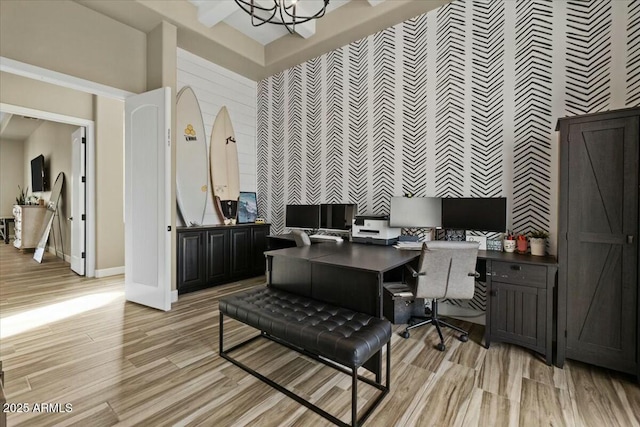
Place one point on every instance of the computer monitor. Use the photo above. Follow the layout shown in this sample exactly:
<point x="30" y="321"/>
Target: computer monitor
<point x="337" y="216"/>
<point x="303" y="216"/>
<point x="475" y="213"/>
<point x="416" y="212"/>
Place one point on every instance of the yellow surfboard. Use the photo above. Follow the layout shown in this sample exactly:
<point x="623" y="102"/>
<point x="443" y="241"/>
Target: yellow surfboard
<point x="192" y="177"/>
<point x="225" y="175"/>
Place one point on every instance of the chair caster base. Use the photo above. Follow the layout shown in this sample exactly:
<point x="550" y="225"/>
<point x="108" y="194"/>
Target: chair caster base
<point x="404" y="334"/>
<point x="464" y="337"/>
<point x="441" y="347"/>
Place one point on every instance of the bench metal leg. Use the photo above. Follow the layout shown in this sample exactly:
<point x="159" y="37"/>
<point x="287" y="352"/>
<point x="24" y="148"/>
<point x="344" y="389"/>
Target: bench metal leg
<point x="355" y="422"/>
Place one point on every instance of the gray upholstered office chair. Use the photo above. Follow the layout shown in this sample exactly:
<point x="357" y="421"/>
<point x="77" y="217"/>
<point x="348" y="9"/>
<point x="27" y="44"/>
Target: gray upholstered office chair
<point x="445" y="270"/>
<point x="301" y="238"/>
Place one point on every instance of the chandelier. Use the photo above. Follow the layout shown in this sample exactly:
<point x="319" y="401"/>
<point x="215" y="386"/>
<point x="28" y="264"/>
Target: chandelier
<point x="280" y="12"/>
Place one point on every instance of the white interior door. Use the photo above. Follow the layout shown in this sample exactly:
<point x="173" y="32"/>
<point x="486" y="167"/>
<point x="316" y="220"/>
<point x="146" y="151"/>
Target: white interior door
<point x="147" y="199"/>
<point x="78" y="200"/>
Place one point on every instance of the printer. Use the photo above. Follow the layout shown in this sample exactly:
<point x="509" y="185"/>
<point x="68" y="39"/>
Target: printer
<point x="374" y="229"/>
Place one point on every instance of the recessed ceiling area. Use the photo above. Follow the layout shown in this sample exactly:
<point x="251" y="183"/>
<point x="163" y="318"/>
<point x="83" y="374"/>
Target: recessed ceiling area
<point x="221" y="32"/>
<point x="211" y="13"/>
<point x="17" y="128"/>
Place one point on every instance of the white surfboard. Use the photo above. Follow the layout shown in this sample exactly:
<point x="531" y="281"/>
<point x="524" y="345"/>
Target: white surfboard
<point x="192" y="170"/>
<point x="225" y="175"/>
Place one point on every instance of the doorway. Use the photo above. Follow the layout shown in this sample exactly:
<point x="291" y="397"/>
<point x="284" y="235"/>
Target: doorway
<point x="89" y="183"/>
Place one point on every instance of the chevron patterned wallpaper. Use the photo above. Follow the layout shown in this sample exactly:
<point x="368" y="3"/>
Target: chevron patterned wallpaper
<point x="461" y="101"/>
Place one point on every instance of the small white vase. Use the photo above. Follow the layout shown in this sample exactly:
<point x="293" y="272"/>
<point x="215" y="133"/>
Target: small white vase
<point x="538" y="246"/>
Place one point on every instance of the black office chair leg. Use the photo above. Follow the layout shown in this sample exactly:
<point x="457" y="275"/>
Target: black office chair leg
<point x="435" y="320"/>
<point x="440" y="346"/>
<point x="417" y="325"/>
<point x="449" y="325"/>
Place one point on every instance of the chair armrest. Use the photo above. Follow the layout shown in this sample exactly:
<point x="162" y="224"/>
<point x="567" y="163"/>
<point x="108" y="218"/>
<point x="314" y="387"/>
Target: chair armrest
<point x="413" y="272"/>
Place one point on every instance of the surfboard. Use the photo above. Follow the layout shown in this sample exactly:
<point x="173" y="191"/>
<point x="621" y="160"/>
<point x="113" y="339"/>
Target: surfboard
<point x="192" y="169"/>
<point x="225" y="175"/>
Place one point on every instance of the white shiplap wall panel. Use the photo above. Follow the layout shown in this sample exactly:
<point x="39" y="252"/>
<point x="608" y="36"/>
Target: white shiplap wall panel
<point x="216" y="87"/>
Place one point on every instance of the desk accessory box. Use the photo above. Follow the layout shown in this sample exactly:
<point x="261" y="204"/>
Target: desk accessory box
<point x="399" y="304"/>
<point x="480" y="239"/>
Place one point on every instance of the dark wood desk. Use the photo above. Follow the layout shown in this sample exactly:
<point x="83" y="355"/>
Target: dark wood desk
<point x="520" y="288"/>
<point x="345" y="274"/>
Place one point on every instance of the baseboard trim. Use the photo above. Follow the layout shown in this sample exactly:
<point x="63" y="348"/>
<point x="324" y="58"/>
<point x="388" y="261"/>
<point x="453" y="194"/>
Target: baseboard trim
<point x="104" y="272"/>
<point x="174" y="296"/>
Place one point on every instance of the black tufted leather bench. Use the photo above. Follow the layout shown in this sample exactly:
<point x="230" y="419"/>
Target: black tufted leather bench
<point x="319" y="330"/>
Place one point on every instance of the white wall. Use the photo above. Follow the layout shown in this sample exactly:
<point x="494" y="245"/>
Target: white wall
<point x="216" y="87"/>
<point x="11" y="173"/>
<point x="53" y="140"/>
<point x="67" y="37"/>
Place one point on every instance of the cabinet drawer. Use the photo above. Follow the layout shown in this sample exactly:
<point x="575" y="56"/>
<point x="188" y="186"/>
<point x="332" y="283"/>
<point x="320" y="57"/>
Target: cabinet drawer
<point x="520" y="274"/>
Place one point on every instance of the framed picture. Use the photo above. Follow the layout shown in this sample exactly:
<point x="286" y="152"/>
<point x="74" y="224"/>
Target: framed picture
<point x="247" y="207"/>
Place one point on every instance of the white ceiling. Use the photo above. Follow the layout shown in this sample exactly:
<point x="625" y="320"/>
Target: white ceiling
<point x="17" y="128"/>
<point x="210" y="13"/>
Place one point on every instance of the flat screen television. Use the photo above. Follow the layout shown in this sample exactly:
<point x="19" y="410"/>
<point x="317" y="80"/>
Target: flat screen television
<point x="38" y="175"/>
<point x="475" y="213"/>
<point x="302" y="216"/>
<point x="337" y="216"/>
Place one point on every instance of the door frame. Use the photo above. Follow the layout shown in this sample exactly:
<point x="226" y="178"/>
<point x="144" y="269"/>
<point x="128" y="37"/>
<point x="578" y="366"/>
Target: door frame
<point x="90" y="173"/>
<point x="11" y="66"/>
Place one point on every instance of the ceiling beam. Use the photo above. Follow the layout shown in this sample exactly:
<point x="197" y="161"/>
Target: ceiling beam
<point x="305" y="30"/>
<point x="210" y="13"/>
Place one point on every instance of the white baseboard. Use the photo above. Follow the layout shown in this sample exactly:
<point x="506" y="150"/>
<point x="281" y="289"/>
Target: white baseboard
<point x="52" y="250"/>
<point x="104" y="272"/>
<point x="174" y="296"/>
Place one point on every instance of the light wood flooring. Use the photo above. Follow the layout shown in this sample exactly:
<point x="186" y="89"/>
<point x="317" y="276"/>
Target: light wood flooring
<point x="68" y="339"/>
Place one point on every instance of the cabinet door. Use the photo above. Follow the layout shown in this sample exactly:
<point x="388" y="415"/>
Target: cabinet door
<point x="601" y="250"/>
<point x="190" y="260"/>
<point x="241" y="257"/>
<point x="518" y="314"/>
<point x="259" y="245"/>
<point x="217" y="256"/>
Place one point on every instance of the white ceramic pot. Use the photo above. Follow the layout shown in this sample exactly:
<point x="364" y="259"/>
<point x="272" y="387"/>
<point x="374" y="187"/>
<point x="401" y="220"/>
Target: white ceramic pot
<point x="538" y="246"/>
<point x="509" y="245"/>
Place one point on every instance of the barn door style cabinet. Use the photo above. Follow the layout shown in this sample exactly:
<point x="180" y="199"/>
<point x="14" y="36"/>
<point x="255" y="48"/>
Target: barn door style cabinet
<point x="598" y="305"/>
<point x="209" y="256"/>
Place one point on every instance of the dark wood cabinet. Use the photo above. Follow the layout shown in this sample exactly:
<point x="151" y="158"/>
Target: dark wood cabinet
<point x="191" y="259"/>
<point x="520" y="301"/>
<point x="260" y="245"/>
<point x="209" y="256"/>
<point x="217" y="256"/>
<point x="241" y="255"/>
<point x="598" y="303"/>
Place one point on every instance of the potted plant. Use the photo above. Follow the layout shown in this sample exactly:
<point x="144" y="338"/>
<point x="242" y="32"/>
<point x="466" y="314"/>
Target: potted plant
<point x="538" y="239"/>
<point x="22" y="196"/>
